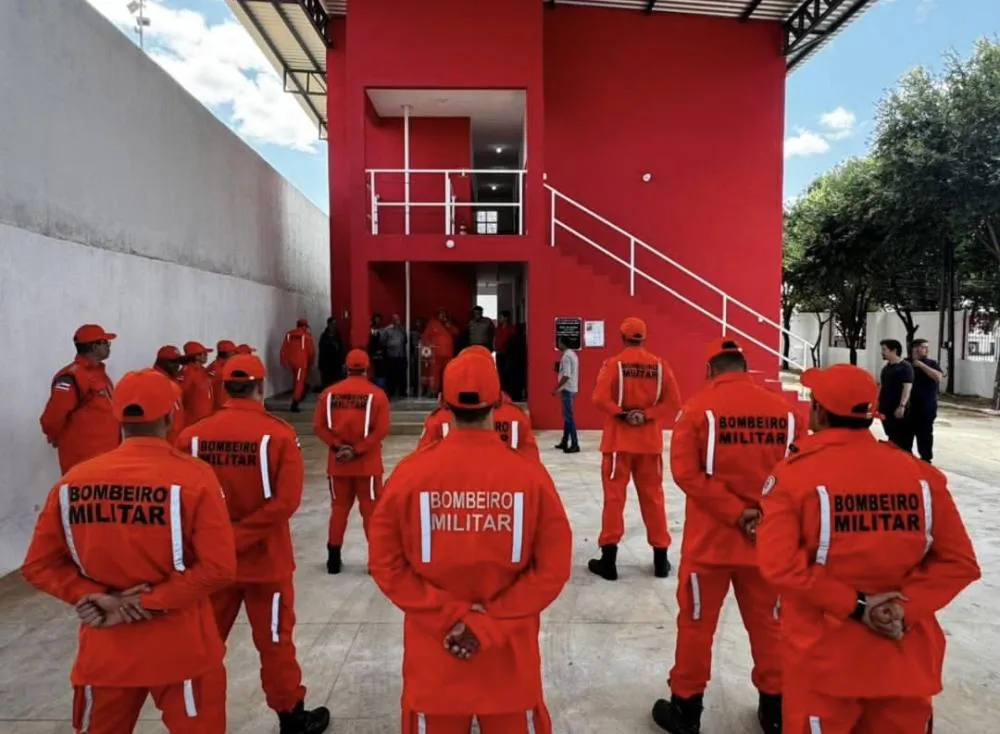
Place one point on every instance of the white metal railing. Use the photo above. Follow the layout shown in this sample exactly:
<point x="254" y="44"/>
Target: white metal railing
<point x="728" y="301"/>
<point x="449" y="202"/>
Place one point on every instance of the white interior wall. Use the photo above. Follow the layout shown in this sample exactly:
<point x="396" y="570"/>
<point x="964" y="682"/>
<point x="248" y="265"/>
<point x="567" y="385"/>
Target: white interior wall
<point x="124" y="202"/>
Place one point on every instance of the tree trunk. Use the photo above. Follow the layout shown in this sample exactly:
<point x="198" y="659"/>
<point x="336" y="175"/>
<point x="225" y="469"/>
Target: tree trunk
<point x="854" y="355"/>
<point x="786" y="321"/>
<point x="996" y="387"/>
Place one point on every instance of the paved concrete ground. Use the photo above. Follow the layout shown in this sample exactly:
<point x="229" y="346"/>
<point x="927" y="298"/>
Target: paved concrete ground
<point x="607" y="647"/>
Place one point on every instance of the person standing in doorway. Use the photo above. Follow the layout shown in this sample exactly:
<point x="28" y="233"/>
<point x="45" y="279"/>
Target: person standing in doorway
<point x="927" y="376"/>
<point x="395" y="338"/>
<point x="376" y="350"/>
<point x="416" y="378"/>
<point x="895" y="386"/>
<point x="297" y="354"/>
<point x="502" y="336"/>
<point x="566" y="388"/>
<point x="331" y="354"/>
<point x="481" y="330"/>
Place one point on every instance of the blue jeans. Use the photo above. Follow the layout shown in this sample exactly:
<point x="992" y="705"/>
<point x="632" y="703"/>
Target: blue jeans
<point x="569" y="423"/>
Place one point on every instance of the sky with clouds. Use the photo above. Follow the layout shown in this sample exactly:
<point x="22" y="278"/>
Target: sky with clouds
<point x="828" y="112"/>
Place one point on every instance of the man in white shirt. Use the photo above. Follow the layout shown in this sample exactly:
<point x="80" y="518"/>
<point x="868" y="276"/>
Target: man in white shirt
<point x="568" y="386"/>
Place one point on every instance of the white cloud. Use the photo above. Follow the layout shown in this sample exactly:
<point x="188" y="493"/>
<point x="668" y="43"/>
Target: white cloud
<point x="220" y="66"/>
<point x="804" y="143"/>
<point x="835" y="125"/>
<point x="839" y="123"/>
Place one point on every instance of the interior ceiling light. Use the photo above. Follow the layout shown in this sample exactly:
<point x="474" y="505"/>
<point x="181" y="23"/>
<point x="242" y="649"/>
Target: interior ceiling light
<point x="493" y="187"/>
<point x="499" y="149"/>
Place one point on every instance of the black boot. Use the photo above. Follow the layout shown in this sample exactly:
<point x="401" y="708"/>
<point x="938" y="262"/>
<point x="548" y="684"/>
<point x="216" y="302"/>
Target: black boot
<point x="573" y="448"/>
<point x="661" y="564"/>
<point x="333" y="559"/>
<point x="301" y="721"/>
<point x="679" y="715"/>
<point x="769" y="713"/>
<point x="605" y="566"/>
<point x="561" y="446"/>
<point x="295" y="406"/>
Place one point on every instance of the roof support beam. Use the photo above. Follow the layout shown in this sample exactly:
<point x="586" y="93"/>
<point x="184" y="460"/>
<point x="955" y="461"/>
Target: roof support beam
<point x="803" y="30"/>
<point x="650" y="4"/>
<point x="317" y="16"/>
<point x="296" y="35"/>
<point x="749" y="10"/>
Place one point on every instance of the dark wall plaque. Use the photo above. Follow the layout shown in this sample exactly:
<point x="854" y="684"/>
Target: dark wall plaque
<point x="570" y="329"/>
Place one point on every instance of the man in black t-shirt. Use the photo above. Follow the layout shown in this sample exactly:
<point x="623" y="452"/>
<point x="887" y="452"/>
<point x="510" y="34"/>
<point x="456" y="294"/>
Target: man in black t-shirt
<point x="895" y="386"/>
<point x="927" y="376"/>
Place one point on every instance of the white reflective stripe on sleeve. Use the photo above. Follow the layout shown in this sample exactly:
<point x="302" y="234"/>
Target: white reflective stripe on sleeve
<point x="614" y="464"/>
<point x="371" y="488"/>
<point x="515" y="438"/>
<point x="176" y="528"/>
<point x="88" y="709"/>
<point x="421" y="724"/>
<point x="302" y="340"/>
<point x="265" y="466"/>
<point x="518" y="531"/>
<point x="64" y="506"/>
<point x="275" y="615"/>
<point x="425" y="527"/>
<point x="189" y="707"/>
<point x="531" y="721"/>
<point x="710" y="444"/>
<point x="194" y="447"/>
<point x="776" y="612"/>
<point x="444" y="429"/>
<point x="925" y="490"/>
<point x="824" y="526"/>
<point x="621" y="385"/>
<point x="368" y="414"/>
<point x="659" y="382"/>
<point x="790" y="436"/>
<point x="814" y="726"/>
<point x="329" y="411"/>
<point x="695" y="598"/>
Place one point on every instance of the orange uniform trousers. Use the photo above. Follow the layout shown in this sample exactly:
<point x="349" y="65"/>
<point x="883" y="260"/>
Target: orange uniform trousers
<point x="701" y="592"/>
<point x="195" y="706"/>
<point x="299" y="375"/>
<point x="271" y="611"/>
<point x="343" y="492"/>
<point x="647" y="471"/>
<point x="808" y="712"/>
<point x="536" y="721"/>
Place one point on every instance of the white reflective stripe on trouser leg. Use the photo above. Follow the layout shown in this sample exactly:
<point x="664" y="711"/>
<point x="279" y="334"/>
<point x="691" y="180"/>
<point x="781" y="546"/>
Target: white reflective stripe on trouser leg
<point x="790" y="434"/>
<point x="64" y="507"/>
<point x="371" y="488"/>
<point x="515" y="437"/>
<point x="814" y="726"/>
<point x="776" y="612"/>
<point x="265" y="467"/>
<point x="275" y="615"/>
<point x="329" y="411"/>
<point x="823" y="549"/>
<point x="189" y="707"/>
<point x="176" y="528"/>
<point x="695" y="598"/>
<point x="194" y="446"/>
<point x="425" y="527"/>
<point x="530" y="715"/>
<point x="88" y="709"/>
<point x="421" y="724"/>
<point x="925" y="490"/>
<point x="517" y="541"/>
<point x="710" y="444"/>
<point x="614" y="464"/>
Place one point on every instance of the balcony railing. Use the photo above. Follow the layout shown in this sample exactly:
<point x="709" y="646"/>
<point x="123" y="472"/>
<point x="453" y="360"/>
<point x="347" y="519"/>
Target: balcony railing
<point x="413" y="192"/>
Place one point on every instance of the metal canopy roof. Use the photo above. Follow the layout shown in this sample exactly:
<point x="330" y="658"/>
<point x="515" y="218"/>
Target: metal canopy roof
<point x="293" y="33"/>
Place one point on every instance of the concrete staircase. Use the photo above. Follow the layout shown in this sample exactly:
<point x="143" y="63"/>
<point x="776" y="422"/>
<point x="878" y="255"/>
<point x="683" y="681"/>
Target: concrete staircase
<point x="407" y="415"/>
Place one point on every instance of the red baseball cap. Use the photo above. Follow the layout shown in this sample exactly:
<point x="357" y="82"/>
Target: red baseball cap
<point x="244" y="349"/>
<point x="225" y="347"/>
<point x="193" y="349"/>
<point x="478" y="349"/>
<point x="357" y="360"/>
<point x="724" y="345"/>
<point x="634" y="328"/>
<point x="243" y="368"/>
<point x="90" y="333"/>
<point x="302" y="322"/>
<point x="472" y="382"/>
<point x="143" y="396"/>
<point x="843" y="390"/>
<point x="168" y="353"/>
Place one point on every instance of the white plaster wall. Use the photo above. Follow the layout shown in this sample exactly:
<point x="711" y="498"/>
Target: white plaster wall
<point x="125" y="202"/>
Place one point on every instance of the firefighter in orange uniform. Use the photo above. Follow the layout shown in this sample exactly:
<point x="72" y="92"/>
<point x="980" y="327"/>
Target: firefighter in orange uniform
<point x="637" y="390"/>
<point x="727" y="440"/>
<point x="298" y="352"/>
<point x="169" y="361"/>
<point x="509" y="421"/>
<point x="244" y="349"/>
<point x="257" y="458"/>
<point x="472" y="543"/>
<point x="224" y="349"/>
<point x="196" y="383"/>
<point x="352" y="418"/>
<point x="439" y="335"/>
<point x="865" y="545"/>
<point x="77" y="419"/>
<point x="140" y="535"/>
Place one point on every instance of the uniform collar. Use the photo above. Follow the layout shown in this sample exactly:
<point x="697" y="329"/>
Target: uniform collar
<point x="244" y="404"/>
<point x="147" y="442"/>
<point x="834" y="437"/>
<point x="475" y="436"/>
<point x="86" y="364"/>
<point x="727" y="378"/>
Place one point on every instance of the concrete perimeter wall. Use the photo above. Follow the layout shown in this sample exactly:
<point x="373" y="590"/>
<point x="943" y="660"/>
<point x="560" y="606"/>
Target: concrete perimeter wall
<point x="124" y="202"/>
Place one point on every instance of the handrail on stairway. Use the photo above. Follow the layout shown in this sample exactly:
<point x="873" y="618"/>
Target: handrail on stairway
<point x="633" y="271"/>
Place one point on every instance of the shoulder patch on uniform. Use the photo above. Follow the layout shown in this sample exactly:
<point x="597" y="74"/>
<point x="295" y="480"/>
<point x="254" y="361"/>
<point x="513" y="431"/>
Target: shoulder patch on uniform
<point x="768" y="485"/>
<point x="298" y="443"/>
<point x="64" y="383"/>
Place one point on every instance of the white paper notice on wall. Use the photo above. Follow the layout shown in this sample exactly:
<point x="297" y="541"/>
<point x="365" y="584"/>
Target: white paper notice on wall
<point x="593" y="333"/>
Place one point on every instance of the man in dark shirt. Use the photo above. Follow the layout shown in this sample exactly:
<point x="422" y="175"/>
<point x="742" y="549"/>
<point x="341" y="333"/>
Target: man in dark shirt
<point x="895" y="387"/>
<point x="331" y="354"/>
<point x="927" y="376"/>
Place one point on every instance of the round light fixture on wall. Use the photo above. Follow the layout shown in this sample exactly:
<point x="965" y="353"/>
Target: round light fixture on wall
<point x="450" y="244"/>
<point x="647" y="177"/>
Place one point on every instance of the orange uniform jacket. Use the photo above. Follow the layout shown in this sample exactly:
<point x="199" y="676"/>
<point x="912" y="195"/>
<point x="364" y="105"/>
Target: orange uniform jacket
<point x="298" y="351"/>
<point x="219" y="394"/>
<point x="846" y="513"/>
<point x="635" y="379"/>
<point x="468" y="521"/>
<point x="142" y="513"/>
<point x="727" y="440"/>
<point x="441" y="338"/>
<point x="196" y="383"/>
<point x="353" y="412"/>
<point x="509" y="421"/>
<point x="257" y="458"/>
<point x="78" y="418"/>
